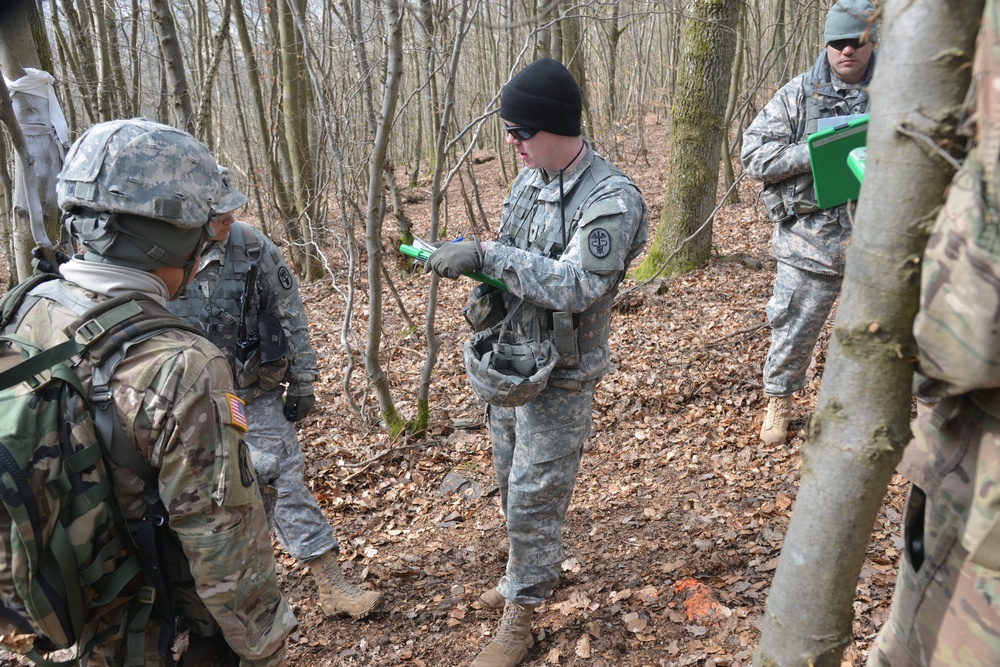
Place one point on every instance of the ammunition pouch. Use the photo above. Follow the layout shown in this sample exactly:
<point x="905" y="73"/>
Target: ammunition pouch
<point x="484" y="308"/>
<point x="575" y="334"/>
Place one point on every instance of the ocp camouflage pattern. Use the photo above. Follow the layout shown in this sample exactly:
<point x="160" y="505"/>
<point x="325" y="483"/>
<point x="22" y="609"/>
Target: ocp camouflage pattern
<point x="171" y="392"/>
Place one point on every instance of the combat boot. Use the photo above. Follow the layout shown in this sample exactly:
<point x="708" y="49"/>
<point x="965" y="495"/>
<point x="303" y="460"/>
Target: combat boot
<point x="774" y="430"/>
<point x="337" y="596"/>
<point x="512" y="641"/>
<point x="492" y="599"/>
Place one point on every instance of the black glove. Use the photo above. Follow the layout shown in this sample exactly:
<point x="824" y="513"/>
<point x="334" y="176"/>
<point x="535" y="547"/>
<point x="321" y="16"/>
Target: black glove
<point x="297" y="407"/>
<point x="453" y="259"/>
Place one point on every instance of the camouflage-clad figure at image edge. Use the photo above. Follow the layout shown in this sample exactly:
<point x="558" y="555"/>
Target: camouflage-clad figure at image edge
<point x="946" y="606"/>
<point x="173" y="392"/>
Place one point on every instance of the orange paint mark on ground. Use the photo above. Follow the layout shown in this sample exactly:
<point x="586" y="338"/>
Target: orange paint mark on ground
<point x="699" y="602"/>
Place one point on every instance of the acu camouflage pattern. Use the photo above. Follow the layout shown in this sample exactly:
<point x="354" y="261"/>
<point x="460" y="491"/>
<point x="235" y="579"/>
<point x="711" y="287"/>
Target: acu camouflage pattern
<point x="775" y="152"/>
<point x="796" y="311"/>
<point x="579" y="279"/>
<point x="171" y="393"/>
<point x="212" y="302"/>
<point x="131" y="166"/>
<point x="279" y="463"/>
<point x="946" y="607"/>
<point x="537" y="446"/>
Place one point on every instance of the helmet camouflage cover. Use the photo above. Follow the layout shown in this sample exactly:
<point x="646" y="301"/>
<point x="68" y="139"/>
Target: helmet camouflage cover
<point x="507" y="374"/>
<point x="141" y="168"/>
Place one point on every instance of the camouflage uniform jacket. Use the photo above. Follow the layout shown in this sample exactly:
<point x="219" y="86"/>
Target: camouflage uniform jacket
<point x="775" y="152"/>
<point x="956" y="327"/>
<point x="170" y="393"/>
<point x="212" y="302"/>
<point x="603" y="235"/>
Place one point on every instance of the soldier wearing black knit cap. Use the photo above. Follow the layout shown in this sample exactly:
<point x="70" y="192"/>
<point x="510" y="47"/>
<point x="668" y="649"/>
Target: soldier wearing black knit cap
<point x="570" y="226"/>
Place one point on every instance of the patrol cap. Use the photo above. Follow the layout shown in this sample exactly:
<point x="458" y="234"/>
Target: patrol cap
<point x="232" y="198"/>
<point x="141" y="168"/>
<point x="850" y="19"/>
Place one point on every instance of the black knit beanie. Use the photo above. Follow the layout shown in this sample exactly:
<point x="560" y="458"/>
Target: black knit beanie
<point x="543" y="96"/>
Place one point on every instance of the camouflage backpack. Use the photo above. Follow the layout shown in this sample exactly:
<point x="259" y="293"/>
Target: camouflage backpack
<point x="66" y="553"/>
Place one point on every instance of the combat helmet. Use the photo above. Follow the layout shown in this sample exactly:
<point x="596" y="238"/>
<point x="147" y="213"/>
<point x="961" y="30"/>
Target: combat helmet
<point x="138" y="193"/>
<point x="505" y="370"/>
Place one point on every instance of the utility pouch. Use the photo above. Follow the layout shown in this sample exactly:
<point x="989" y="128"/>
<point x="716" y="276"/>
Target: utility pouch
<point x="774" y="204"/>
<point x="485" y="308"/>
<point x="564" y="336"/>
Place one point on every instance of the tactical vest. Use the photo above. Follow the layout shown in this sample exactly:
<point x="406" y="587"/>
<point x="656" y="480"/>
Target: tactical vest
<point x="797" y="195"/>
<point x="218" y="316"/>
<point x="574" y="334"/>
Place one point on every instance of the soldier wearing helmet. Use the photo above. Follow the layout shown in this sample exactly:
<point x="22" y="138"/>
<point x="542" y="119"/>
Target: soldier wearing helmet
<point x="138" y="197"/>
<point x="570" y="226"/>
<point x="276" y="381"/>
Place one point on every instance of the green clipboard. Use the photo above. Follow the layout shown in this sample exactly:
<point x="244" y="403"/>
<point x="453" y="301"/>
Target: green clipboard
<point x="833" y="179"/>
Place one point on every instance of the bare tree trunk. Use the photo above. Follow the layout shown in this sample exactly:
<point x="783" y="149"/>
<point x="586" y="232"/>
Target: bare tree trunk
<point x="282" y="197"/>
<point x="734" y="92"/>
<point x="861" y="423"/>
<point x="696" y="129"/>
<point x="204" y="115"/>
<point x="391" y="420"/>
<point x="38" y="156"/>
<point x="173" y="59"/>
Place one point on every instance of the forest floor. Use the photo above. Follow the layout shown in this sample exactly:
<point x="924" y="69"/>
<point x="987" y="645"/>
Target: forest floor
<point x="679" y="511"/>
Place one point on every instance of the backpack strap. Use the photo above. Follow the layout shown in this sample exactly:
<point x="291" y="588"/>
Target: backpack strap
<point x="109" y="329"/>
<point x="14" y="297"/>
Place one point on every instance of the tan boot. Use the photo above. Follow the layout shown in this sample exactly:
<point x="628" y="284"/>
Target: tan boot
<point x="337" y="596"/>
<point x="512" y="641"/>
<point x="492" y="599"/>
<point x="774" y="430"/>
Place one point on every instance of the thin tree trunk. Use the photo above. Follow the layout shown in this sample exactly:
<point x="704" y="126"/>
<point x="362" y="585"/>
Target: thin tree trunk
<point x="173" y="59"/>
<point x="861" y="423"/>
<point x="391" y="420"/>
<point x="734" y="93"/>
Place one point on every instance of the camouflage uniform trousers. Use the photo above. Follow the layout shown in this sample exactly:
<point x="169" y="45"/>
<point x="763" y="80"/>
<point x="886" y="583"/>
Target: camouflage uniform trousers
<point x="278" y="461"/>
<point x="536" y="453"/>
<point x="946" y="606"/>
<point x="798" y="309"/>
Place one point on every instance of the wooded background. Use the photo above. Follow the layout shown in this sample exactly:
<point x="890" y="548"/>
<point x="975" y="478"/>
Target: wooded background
<point x="328" y="114"/>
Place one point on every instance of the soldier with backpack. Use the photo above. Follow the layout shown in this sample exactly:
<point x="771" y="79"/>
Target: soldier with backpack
<point x="138" y="197"/>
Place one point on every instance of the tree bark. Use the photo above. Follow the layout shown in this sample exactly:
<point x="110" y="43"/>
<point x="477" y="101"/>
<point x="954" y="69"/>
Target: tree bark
<point x="391" y="420"/>
<point x="34" y="214"/>
<point x="173" y="59"/>
<point x="861" y="423"/>
<point x="696" y="129"/>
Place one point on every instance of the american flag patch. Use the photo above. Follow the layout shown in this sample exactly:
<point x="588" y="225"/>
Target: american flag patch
<point x="237" y="412"/>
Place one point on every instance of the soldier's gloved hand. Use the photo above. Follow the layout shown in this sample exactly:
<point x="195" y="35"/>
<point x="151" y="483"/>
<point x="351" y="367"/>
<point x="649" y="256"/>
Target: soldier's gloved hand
<point x="453" y="259"/>
<point x="299" y="400"/>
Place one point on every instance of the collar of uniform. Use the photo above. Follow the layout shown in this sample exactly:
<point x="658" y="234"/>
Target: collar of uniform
<point x="548" y="181"/>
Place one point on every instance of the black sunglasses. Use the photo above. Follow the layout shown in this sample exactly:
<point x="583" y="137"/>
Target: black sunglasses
<point x="841" y="44"/>
<point x="521" y="132"/>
